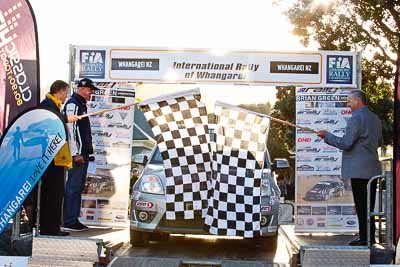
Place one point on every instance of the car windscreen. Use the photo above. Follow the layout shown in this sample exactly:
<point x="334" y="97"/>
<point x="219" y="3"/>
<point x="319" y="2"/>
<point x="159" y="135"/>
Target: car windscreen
<point x="320" y="186"/>
<point x="156" y="158"/>
<point x="267" y="161"/>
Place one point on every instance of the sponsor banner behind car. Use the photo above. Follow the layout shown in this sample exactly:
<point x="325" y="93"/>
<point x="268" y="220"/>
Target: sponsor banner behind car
<point x="19" y="64"/>
<point x="161" y="65"/>
<point x="27" y="147"/>
<point x="324" y="202"/>
<point x="106" y="195"/>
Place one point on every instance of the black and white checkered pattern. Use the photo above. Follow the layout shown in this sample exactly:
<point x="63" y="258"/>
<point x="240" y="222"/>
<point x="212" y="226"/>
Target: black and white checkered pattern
<point x="234" y="207"/>
<point x="180" y="125"/>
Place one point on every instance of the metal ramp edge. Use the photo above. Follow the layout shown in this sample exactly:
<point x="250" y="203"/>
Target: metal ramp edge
<point x="317" y="256"/>
<point x="65" y="251"/>
<point x="126" y="261"/>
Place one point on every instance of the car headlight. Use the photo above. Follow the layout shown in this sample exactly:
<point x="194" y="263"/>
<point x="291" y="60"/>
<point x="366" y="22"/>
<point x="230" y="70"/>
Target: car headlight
<point x="151" y="184"/>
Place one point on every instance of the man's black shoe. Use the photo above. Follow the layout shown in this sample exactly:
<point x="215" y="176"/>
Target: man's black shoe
<point x="59" y="233"/>
<point x="76" y="227"/>
<point x="358" y="242"/>
<point x="82" y="225"/>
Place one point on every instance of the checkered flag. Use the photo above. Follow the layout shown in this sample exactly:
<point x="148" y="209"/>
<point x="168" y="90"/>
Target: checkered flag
<point x="180" y="125"/>
<point x="234" y="205"/>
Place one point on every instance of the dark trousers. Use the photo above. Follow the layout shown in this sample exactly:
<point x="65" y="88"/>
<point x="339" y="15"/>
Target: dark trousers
<point x="73" y="192"/>
<point x="52" y="193"/>
<point x="359" y="187"/>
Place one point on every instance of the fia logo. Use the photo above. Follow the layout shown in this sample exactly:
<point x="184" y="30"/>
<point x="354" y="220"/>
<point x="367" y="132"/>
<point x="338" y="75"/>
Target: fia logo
<point x="91" y="57"/>
<point x="92" y="64"/>
<point x="8" y="22"/>
<point x="339" y="62"/>
<point x="340" y="69"/>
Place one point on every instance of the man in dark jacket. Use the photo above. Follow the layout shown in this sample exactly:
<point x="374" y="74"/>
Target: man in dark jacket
<point x="52" y="189"/>
<point x="81" y="147"/>
<point x="360" y="159"/>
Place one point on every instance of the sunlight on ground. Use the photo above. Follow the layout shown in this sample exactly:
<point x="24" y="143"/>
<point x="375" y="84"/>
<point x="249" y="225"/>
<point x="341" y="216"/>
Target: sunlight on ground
<point x="209" y="237"/>
<point x="282" y="254"/>
<point x="115" y="236"/>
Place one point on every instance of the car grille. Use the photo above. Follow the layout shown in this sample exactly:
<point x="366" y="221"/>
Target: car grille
<point x="197" y="223"/>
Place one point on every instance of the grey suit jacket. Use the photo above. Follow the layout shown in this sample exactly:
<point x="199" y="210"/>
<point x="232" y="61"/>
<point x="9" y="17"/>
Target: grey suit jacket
<point x="360" y="142"/>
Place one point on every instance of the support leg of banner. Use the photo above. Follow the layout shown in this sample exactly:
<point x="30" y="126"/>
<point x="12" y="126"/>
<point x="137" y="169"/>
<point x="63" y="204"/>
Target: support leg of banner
<point x="16" y="228"/>
<point x="35" y="232"/>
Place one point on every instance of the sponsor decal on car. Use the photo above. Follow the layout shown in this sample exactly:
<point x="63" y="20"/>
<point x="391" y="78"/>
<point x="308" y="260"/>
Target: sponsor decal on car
<point x="144" y="204"/>
<point x="267" y="208"/>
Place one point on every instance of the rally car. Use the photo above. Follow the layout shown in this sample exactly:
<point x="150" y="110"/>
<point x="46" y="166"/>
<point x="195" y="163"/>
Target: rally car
<point x="324" y="190"/>
<point x="97" y="184"/>
<point x="148" y="205"/>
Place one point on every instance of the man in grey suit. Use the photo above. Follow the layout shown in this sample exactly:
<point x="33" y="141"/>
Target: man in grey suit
<point x="360" y="160"/>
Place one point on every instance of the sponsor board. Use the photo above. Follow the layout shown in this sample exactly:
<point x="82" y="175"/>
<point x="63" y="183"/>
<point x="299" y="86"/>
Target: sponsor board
<point x="165" y="65"/>
<point x="323" y="200"/>
<point x="108" y="185"/>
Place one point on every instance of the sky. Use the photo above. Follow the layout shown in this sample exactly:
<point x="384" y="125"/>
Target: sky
<point x="240" y="25"/>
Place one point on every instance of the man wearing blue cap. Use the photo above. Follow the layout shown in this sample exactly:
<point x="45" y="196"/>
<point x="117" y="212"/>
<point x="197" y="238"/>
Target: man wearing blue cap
<point x="81" y="147"/>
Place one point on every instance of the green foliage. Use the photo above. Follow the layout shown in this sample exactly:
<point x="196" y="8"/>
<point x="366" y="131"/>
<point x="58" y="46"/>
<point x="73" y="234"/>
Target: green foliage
<point x="370" y="26"/>
<point x="281" y="138"/>
<point x="260" y="108"/>
<point x="379" y="92"/>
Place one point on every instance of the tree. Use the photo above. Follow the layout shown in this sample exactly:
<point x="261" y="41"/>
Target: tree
<point x="370" y="26"/>
<point x="281" y="138"/>
<point x="264" y="108"/>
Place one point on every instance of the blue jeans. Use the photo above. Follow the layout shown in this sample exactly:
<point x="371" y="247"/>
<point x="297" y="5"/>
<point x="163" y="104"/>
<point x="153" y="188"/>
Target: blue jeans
<point x="73" y="192"/>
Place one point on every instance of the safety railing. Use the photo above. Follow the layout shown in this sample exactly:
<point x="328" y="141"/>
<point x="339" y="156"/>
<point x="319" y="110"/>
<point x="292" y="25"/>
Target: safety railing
<point x="383" y="209"/>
